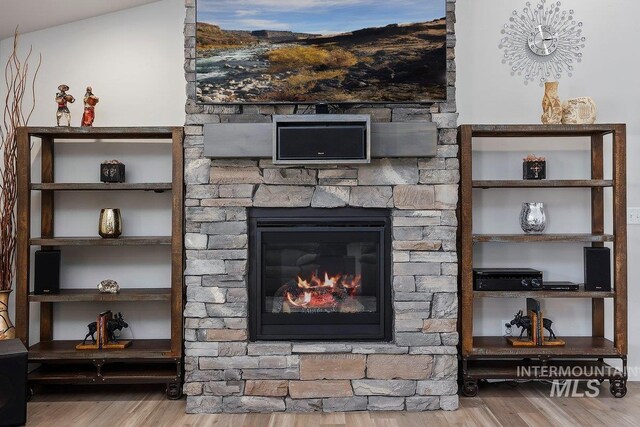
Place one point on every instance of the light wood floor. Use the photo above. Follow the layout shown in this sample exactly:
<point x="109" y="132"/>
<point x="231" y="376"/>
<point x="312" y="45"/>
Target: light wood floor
<point x="496" y="405"/>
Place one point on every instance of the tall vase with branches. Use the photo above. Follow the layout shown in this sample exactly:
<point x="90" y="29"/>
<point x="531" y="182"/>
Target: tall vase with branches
<point x="15" y="114"/>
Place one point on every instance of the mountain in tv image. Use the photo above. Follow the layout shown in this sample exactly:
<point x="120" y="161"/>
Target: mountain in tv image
<point x="391" y="63"/>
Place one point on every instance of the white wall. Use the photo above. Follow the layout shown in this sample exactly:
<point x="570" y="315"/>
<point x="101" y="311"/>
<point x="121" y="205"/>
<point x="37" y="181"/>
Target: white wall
<point x="487" y="93"/>
<point x="133" y="60"/>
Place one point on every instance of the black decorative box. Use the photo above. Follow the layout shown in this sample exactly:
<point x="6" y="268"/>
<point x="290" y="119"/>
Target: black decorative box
<point x="534" y="169"/>
<point x="112" y="172"/>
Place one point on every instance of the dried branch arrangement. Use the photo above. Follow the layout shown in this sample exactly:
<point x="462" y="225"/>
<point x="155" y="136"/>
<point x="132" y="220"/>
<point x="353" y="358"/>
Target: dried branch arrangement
<point x="16" y="79"/>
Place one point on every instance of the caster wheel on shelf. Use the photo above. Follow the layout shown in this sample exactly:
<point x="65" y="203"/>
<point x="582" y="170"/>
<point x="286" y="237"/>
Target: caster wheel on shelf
<point x="174" y="391"/>
<point x="618" y="388"/>
<point x="470" y="388"/>
<point x="30" y="394"/>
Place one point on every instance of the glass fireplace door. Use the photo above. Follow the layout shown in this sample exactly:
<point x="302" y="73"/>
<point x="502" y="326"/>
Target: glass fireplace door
<point x="315" y="280"/>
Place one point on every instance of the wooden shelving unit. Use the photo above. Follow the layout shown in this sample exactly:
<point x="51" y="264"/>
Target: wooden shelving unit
<point x="565" y="183"/>
<point x="530" y="238"/>
<point x="99" y="241"/>
<point x="145" y="361"/>
<point x="91" y="186"/>
<point x="580" y="293"/>
<point x="493" y="357"/>
<point x="90" y="295"/>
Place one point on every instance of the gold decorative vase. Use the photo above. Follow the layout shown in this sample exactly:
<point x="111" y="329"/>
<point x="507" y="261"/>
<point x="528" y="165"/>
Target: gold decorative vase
<point x="551" y="105"/>
<point x="7" y="330"/>
<point x="110" y="226"/>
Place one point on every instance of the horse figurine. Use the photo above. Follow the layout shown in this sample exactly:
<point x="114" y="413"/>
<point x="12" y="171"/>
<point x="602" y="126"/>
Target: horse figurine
<point x="524" y="322"/>
<point x="115" y="324"/>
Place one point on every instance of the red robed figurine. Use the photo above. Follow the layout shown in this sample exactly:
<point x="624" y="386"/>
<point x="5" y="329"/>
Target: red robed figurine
<point x="90" y="101"/>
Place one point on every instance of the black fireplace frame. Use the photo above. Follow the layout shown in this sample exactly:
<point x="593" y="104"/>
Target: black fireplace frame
<point x="370" y="327"/>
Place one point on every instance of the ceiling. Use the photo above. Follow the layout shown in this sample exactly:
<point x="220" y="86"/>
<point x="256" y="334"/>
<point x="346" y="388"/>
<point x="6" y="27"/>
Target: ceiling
<point x="32" y="15"/>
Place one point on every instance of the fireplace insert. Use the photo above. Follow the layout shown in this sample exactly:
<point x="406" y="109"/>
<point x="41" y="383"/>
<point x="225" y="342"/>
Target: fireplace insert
<point x="319" y="274"/>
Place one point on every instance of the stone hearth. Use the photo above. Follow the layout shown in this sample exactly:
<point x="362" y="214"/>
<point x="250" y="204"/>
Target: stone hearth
<point x="417" y="370"/>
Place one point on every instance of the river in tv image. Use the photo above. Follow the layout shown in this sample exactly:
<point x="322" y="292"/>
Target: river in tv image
<point x="360" y="57"/>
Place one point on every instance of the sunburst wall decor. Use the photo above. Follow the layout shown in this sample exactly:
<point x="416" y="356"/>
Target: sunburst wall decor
<point x="542" y="42"/>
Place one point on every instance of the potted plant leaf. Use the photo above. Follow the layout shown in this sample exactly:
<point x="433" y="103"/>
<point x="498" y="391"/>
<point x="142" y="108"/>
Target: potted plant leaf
<point x="17" y="83"/>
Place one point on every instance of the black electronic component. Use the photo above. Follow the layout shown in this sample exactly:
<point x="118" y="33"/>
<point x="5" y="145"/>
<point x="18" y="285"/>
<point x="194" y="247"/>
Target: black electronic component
<point x="507" y="279"/>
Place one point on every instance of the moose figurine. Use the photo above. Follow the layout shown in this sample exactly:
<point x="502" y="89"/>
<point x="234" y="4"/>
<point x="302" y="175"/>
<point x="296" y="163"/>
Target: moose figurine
<point x="116" y="323"/>
<point x="524" y="322"/>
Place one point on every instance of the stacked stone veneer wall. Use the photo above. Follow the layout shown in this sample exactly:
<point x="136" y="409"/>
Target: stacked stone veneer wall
<point x="224" y="372"/>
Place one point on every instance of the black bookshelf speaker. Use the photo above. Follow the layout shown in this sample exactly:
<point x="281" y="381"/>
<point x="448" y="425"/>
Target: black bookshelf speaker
<point x="47" y="272"/>
<point x="597" y="269"/>
<point x="13" y="383"/>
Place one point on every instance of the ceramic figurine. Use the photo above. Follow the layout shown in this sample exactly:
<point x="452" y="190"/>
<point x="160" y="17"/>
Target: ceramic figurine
<point x="551" y="105"/>
<point x="579" y="111"/>
<point x="62" y="99"/>
<point x="90" y="101"/>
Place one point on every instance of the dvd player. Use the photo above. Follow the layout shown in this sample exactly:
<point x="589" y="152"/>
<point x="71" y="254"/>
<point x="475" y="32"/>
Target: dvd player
<point x="507" y="279"/>
<point x="560" y="286"/>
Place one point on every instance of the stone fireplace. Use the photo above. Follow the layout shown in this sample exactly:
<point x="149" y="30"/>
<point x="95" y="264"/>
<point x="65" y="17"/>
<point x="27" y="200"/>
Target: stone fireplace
<point x="348" y="317"/>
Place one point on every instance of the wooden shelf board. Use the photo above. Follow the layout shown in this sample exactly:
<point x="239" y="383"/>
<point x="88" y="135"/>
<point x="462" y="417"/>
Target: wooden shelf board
<point x="66" y="350"/>
<point x="524" y="238"/>
<point x="575" y="347"/>
<point x="581" y="293"/>
<point x="89" y="295"/>
<point x="101" y="132"/>
<point x="530" y="131"/>
<point x="99" y="241"/>
<point x="545" y="183"/>
<point x="99" y="186"/>
<point x="516" y="370"/>
<point x="110" y="374"/>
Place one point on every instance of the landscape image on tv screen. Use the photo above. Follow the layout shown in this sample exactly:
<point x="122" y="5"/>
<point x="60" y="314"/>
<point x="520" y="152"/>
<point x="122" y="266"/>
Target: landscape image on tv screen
<point x="320" y="51"/>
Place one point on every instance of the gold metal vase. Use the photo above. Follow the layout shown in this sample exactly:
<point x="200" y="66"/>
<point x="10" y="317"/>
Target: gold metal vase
<point x="110" y="226"/>
<point x="7" y="330"/>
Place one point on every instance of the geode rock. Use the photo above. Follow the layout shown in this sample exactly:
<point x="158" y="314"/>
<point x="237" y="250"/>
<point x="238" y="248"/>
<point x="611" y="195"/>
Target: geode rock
<point x="109" y="287"/>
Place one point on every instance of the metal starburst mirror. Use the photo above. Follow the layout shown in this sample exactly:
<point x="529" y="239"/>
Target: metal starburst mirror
<point x="542" y="42"/>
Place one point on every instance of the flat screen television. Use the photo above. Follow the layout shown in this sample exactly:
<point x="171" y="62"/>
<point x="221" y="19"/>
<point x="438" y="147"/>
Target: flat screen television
<point x="320" y="51"/>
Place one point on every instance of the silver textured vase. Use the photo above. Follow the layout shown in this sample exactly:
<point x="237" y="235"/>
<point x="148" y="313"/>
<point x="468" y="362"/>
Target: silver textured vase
<point x="533" y="218"/>
<point x="110" y="226"/>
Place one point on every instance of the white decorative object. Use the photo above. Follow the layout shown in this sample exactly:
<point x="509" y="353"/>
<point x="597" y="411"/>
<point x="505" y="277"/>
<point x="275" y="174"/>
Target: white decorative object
<point x="542" y="42"/>
<point x="108" y="286"/>
<point x="579" y="111"/>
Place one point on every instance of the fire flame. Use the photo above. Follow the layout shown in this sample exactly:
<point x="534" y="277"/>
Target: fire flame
<point x="319" y="293"/>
